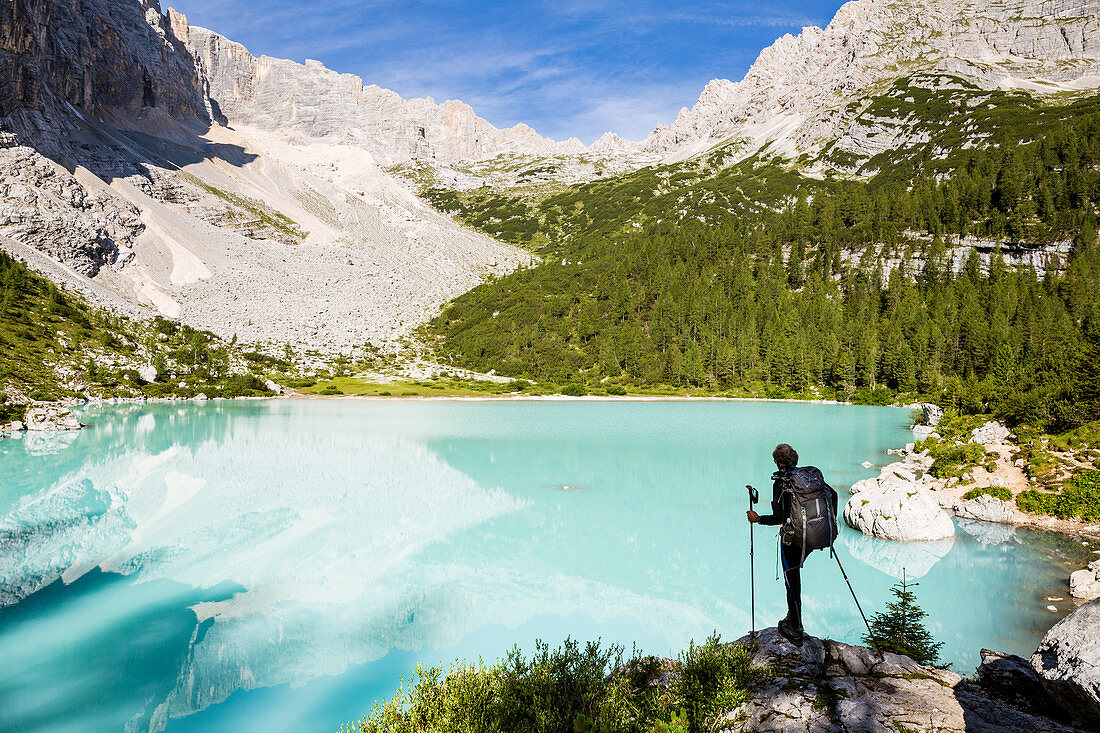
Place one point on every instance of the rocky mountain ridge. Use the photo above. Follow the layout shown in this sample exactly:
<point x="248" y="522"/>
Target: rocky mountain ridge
<point x="115" y="163"/>
<point x="317" y="103"/>
<point x="804" y="91"/>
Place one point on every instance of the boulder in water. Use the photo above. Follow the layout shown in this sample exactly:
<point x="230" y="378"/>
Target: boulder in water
<point x="1068" y="661"/>
<point x="985" y="508"/>
<point x="51" y="417"/>
<point x="1086" y="583"/>
<point x="898" y="511"/>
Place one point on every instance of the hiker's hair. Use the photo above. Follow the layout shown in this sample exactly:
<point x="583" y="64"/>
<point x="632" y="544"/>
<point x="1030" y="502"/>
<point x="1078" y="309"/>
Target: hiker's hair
<point x="785" y="456"/>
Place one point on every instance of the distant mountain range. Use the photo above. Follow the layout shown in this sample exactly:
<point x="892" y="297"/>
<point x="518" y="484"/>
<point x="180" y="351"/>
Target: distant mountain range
<point x="150" y="158"/>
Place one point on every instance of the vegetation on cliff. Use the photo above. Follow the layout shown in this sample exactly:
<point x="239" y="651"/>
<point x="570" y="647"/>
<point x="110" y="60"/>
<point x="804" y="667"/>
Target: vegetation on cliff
<point x="752" y="278"/>
<point x="53" y="344"/>
<point x="586" y="689"/>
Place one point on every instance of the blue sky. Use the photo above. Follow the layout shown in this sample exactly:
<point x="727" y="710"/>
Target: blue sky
<point x="567" y="68"/>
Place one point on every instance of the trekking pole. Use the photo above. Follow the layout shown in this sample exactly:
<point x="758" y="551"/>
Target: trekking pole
<point x="754" y="497"/>
<point x="870" y="634"/>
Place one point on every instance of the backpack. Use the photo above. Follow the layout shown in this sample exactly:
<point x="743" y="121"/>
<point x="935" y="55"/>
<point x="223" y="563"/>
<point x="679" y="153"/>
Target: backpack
<point x="812" y="511"/>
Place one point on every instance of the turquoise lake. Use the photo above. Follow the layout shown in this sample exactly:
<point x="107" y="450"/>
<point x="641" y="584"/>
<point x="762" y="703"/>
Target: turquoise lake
<point x="278" y="565"/>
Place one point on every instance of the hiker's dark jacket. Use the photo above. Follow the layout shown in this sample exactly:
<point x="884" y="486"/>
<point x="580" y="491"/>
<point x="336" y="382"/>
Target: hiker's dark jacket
<point x="781" y="499"/>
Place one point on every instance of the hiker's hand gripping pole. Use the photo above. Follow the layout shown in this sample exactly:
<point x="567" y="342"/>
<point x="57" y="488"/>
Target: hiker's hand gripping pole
<point x="754" y="497"/>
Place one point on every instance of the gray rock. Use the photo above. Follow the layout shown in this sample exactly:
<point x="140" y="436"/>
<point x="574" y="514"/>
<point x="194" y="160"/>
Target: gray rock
<point x="17" y="426"/>
<point x="992" y="433"/>
<point x="932" y="413"/>
<point x="831" y="687"/>
<point x="1013" y="679"/>
<point x="148" y="373"/>
<point x="1086" y="583"/>
<point x="985" y="508"/>
<point x="51" y="417"/>
<point x="200" y="397"/>
<point x="898" y="511"/>
<point x="1068" y="661"/>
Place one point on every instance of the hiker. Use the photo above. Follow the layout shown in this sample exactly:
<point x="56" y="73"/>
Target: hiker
<point x="805" y="507"/>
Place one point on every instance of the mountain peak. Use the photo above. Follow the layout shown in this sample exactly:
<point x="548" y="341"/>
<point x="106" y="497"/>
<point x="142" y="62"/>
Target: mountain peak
<point x="796" y="92"/>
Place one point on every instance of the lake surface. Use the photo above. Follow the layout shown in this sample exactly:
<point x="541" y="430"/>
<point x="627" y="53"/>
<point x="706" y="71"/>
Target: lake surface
<point x="278" y="565"/>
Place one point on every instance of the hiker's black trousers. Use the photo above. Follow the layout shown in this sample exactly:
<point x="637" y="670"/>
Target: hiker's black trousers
<point x="792" y="578"/>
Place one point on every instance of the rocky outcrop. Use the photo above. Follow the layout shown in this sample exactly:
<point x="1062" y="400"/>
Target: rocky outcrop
<point x="992" y="433"/>
<point x="98" y="56"/>
<point x="1014" y="680"/>
<point x="897" y="506"/>
<point x="50" y="417"/>
<point x="1086" y="583"/>
<point x="986" y="508"/>
<point x="799" y="93"/>
<point x="318" y="103"/>
<point x="1068" y="661"/>
<point x="831" y="687"/>
<point x="43" y="206"/>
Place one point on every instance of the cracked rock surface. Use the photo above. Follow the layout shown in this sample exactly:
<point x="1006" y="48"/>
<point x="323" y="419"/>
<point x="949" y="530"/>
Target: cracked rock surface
<point x="831" y="687"/>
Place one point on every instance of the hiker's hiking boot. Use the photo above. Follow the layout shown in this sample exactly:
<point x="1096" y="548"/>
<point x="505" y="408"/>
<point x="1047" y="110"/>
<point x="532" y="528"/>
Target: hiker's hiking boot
<point x="790" y="633"/>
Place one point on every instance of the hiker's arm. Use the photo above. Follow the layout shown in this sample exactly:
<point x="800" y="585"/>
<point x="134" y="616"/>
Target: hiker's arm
<point x="776" y="517"/>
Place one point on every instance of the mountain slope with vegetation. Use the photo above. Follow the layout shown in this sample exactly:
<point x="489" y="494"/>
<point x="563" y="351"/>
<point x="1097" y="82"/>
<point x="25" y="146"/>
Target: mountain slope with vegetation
<point x="754" y="278"/>
<point x="54" y="345"/>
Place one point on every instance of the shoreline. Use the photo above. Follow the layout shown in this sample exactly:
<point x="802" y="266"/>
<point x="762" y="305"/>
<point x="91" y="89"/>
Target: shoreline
<point x="566" y="398"/>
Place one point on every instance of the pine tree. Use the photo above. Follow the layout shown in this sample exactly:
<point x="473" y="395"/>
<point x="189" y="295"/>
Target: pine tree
<point x="899" y="629"/>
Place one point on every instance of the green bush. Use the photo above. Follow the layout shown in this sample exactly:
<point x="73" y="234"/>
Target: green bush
<point x="9" y="412"/>
<point x="616" y="390"/>
<point x="1078" y="499"/>
<point x="950" y="460"/>
<point x="997" y="492"/>
<point x="571" y="689"/>
<point x="330" y="389"/>
<point x="573" y="390"/>
<point x="713" y="678"/>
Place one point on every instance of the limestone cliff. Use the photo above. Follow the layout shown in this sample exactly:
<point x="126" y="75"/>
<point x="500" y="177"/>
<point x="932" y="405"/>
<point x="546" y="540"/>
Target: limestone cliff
<point x="316" y="102"/>
<point x="798" y="94"/>
<point x="99" y="56"/>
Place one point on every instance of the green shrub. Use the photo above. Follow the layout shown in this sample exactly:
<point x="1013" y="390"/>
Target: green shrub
<point x="9" y="412"/>
<point x="713" y="678"/>
<point x="330" y="389"/>
<point x="573" y="390"/>
<point x="1078" y="499"/>
<point x="951" y="460"/>
<point x="571" y="689"/>
<point x="997" y="492"/>
<point x="615" y="389"/>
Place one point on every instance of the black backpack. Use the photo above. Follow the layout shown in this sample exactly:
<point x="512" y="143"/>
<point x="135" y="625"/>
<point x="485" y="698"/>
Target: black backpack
<point x="812" y="510"/>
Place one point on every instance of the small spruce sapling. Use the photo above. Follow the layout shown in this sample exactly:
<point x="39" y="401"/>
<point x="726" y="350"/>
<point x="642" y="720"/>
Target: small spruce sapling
<point x="899" y="629"/>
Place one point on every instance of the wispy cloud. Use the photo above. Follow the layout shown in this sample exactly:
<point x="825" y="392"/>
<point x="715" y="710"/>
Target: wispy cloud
<point x="566" y="67"/>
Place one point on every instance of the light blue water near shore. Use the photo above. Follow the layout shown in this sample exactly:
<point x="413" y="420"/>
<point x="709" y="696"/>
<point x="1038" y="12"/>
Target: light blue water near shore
<point x="278" y="565"/>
